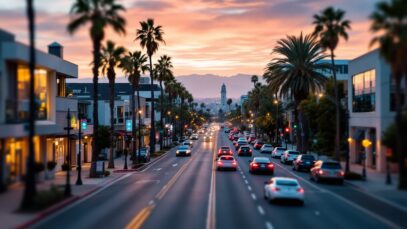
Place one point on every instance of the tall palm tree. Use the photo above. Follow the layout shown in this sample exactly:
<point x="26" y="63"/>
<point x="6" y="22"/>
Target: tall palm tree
<point x="111" y="56"/>
<point x="229" y="102"/>
<point x="99" y="14"/>
<point x="254" y="79"/>
<point x="389" y="22"/>
<point x="163" y="73"/>
<point x="134" y="64"/>
<point x="330" y="26"/>
<point x="30" y="189"/>
<point x="295" y="72"/>
<point x="150" y="37"/>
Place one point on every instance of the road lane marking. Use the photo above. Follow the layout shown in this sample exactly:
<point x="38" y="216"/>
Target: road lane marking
<point x="245" y="181"/>
<point x="244" y="177"/>
<point x="157" y="169"/>
<point x="140" y="218"/>
<point x="249" y="187"/>
<point x="269" y="225"/>
<point x="360" y="208"/>
<point x="254" y="196"/>
<point x="173" y="165"/>
<point x="260" y="209"/>
<point x="211" y="213"/>
<point x="151" y="202"/>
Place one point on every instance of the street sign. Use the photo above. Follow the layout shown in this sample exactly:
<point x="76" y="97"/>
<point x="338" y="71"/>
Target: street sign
<point x="84" y="124"/>
<point x="129" y="125"/>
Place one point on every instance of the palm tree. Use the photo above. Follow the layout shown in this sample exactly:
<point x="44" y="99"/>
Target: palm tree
<point x="134" y="64"/>
<point x="150" y="37"/>
<point x="295" y="72"/>
<point x="163" y="73"/>
<point x="229" y="102"/>
<point x="30" y="189"/>
<point x="100" y="14"/>
<point x="111" y="56"/>
<point x="330" y="26"/>
<point x="389" y="22"/>
<point x="254" y="80"/>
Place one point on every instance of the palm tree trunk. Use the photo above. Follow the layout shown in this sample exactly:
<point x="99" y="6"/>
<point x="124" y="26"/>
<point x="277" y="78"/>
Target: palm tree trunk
<point x="30" y="187"/>
<point x="133" y="120"/>
<point x="111" y="104"/>
<point x="337" y="112"/>
<point x="161" y="115"/>
<point x="297" y="133"/>
<point x="152" y="130"/>
<point x="400" y="136"/>
<point x="95" y="70"/>
<point x="182" y="119"/>
<point x="139" y="124"/>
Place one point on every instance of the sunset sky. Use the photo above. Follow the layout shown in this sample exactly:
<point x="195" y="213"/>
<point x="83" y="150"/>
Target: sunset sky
<point x="223" y="37"/>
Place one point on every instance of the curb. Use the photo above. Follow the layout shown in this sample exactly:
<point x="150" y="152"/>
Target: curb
<point x="124" y="170"/>
<point x="58" y="206"/>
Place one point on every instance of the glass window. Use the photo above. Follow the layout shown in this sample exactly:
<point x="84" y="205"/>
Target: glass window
<point x="364" y="96"/>
<point x="40" y="92"/>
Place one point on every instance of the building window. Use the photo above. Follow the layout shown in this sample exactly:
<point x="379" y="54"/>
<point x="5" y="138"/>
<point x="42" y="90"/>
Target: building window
<point x="363" y="95"/>
<point x="40" y="92"/>
<point x="120" y="114"/>
<point x="147" y="115"/>
<point x="61" y="86"/>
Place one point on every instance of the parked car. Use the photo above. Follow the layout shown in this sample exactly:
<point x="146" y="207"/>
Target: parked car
<point x="144" y="154"/>
<point x="261" y="165"/>
<point x="289" y="156"/>
<point x="327" y="170"/>
<point x="304" y="162"/>
<point x="225" y="150"/>
<point x="278" y="152"/>
<point x="258" y="144"/>
<point x="282" y="188"/>
<point x="183" y="150"/>
<point x="244" y="151"/>
<point x="226" y="162"/>
<point x="266" y="148"/>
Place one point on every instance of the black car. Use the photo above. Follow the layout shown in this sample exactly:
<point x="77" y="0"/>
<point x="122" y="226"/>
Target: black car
<point x="303" y="162"/>
<point x="144" y="155"/>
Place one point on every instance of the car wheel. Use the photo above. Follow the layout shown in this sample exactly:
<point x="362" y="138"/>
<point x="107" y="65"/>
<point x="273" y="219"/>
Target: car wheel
<point x="301" y="203"/>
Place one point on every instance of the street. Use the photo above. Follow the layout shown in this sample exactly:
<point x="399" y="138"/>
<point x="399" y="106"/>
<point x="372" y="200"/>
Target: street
<point x="186" y="192"/>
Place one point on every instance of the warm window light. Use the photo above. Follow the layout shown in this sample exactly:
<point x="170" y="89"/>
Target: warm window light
<point x="366" y="143"/>
<point x="320" y="95"/>
<point x="350" y="140"/>
<point x="140" y="111"/>
<point x="275" y="101"/>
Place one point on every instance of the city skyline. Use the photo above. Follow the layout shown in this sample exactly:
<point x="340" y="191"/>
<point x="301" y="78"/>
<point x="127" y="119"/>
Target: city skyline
<point x="236" y="39"/>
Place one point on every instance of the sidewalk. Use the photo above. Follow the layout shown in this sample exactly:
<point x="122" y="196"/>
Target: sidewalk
<point x="10" y="200"/>
<point x="375" y="185"/>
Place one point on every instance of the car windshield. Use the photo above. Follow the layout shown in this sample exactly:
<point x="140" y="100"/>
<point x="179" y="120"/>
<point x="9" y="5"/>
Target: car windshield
<point x="259" y="142"/>
<point x="308" y="158"/>
<point x="261" y="160"/>
<point x="286" y="182"/>
<point x="225" y="148"/>
<point x="331" y="165"/>
<point x="267" y="146"/>
<point x="187" y="143"/>
<point x="281" y="149"/>
<point x="245" y="148"/>
<point x="227" y="158"/>
<point x="293" y="152"/>
<point x="183" y="148"/>
<point x="242" y="143"/>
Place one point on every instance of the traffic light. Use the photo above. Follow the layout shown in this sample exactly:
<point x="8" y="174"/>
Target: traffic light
<point x="295" y="126"/>
<point x="287" y="130"/>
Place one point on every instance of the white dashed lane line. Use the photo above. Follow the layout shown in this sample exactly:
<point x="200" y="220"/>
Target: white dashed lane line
<point x="245" y="181"/>
<point x="254" y="196"/>
<point x="260" y="209"/>
<point x="249" y="187"/>
<point x="269" y="225"/>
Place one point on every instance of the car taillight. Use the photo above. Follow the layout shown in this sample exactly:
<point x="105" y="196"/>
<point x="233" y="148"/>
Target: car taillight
<point x="300" y="190"/>
<point x="220" y="163"/>
<point x="321" y="172"/>
<point x="275" y="189"/>
<point x="230" y="152"/>
<point x="255" y="165"/>
<point x="341" y="173"/>
<point x="234" y="163"/>
<point x="250" y="150"/>
<point x="270" y="166"/>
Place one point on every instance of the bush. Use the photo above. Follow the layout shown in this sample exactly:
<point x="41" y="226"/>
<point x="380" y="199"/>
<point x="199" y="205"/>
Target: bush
<point x="39" y="167"/>
<point x="46" y="198"/>
<point x="107" y="173"/>
<point x="51" y="165"/>
<point x="65" y="167"/>
<point x="353" y="176"/>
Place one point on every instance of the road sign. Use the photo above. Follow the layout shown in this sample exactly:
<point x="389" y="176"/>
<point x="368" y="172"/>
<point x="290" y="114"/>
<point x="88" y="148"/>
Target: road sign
<point x="129" y="125"/>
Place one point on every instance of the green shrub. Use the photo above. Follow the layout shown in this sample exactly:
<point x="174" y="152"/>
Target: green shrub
<point x="38" y="167"/>
<point x="46" y="198"/>
<point x="65" y="167"/>
<point x="107" y="173"/>
<point x="51" y="165"/>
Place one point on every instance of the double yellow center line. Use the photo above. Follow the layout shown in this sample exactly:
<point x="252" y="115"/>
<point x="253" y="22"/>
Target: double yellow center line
<point x="140" y="218"/>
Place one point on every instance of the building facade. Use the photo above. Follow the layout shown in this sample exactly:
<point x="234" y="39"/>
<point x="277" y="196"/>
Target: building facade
<point x="371" y="109"/>
<point x="223" y="98"/>
<point x="52" y="105"/>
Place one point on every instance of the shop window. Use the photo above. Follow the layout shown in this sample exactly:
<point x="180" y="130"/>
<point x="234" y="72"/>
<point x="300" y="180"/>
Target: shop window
<point x="363" y="95"/>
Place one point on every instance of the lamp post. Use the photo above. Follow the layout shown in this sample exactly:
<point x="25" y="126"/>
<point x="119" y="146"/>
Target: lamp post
<point x="347" y="169"/>
<point x="389" y="153"/>
<point x="82" y="125"/>
<point x="365" y="143"/>
<point x="277" y="137"/>
<point x="68" y="129"/>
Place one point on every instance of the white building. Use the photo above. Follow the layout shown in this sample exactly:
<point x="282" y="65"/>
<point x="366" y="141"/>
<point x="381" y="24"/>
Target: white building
<point x="50" y="74"/>
<point x="371" y="108"/>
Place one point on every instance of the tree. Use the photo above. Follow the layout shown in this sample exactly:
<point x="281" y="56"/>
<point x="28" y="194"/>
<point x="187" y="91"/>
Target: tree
<point x="295" y="72"/>
<point x="150" y="37"/>
<point x="229" y="102"/>
<point x="110" y="58"/>
<point x="30" y="189"/>
<point x="163" y="73"/>
<point x="388" y="22"/>
<point x="254" y="79"/>
<point x="100" y="14"/>
<point x="133" y="64"/>
<point x="330" y="26"/>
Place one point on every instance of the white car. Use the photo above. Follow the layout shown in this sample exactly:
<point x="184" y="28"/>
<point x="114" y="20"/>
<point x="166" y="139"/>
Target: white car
<point x="266" y="148"/>
<point x="183" y="151"/>
<point x="282" y="188"/>
<point x="226" y="162"/>
<point x="188" y="143"/>
<point x="277" y="152"/>
<point x="289" y="156"/>
<point x="194" y="137"/>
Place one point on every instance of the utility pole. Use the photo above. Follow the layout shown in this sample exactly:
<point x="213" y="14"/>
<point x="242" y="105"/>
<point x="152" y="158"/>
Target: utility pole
<point x="68" y="129"/>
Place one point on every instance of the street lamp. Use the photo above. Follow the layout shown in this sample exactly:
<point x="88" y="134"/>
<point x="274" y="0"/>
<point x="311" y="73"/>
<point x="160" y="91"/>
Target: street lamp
<point x="68" y="129"/>
<point x="365" y="143"/>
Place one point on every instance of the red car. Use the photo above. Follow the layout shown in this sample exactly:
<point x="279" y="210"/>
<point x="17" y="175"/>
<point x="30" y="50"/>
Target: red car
<point x="252" y="139"/>
<point x="258" y="144"/>
<point x="261" y="165"/>
<point x="225" y="150"/>
<point x="244" y="151"/>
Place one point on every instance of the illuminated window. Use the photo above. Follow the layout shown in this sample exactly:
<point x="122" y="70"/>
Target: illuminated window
<point x="364" y="87"/>
<point x="40" y="92"/>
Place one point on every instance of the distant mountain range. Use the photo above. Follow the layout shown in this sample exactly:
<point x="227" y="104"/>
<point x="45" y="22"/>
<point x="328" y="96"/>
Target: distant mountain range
<point x="209" y="85"/>
<point x="206" y="86"/>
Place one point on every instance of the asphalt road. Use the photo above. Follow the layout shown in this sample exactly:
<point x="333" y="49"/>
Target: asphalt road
<point x="186" y="192"/>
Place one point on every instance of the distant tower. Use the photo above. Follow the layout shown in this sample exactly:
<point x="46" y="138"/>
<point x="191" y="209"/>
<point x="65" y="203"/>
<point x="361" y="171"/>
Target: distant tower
<point x="223" y="97"/>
